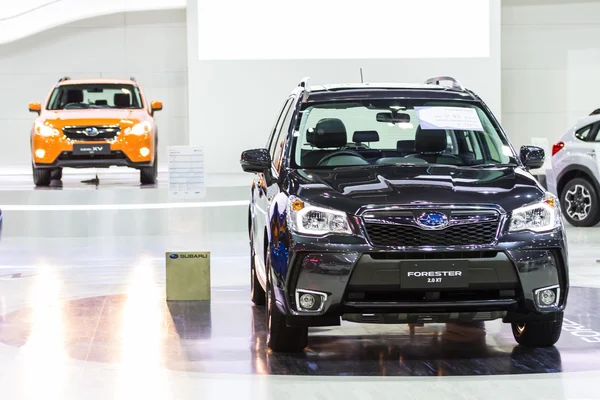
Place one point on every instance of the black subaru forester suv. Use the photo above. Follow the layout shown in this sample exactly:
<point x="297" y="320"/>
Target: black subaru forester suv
<point x="401" y="204"/>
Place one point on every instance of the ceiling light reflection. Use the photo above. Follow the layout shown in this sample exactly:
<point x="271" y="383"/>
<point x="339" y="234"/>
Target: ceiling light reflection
<point x="44" y="356"/>
<point x="142" y="328"/>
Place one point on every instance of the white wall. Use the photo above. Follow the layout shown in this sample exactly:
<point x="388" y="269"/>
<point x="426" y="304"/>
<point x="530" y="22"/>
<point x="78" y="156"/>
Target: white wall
<point x="550" y="64"/>
<point x="19" y="19"/>
<point x="233" y="104"/>
<point x="150" y="46"/>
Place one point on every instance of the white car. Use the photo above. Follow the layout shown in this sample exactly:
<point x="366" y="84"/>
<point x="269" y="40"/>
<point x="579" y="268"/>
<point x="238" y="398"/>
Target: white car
<point x="575" y="173"/>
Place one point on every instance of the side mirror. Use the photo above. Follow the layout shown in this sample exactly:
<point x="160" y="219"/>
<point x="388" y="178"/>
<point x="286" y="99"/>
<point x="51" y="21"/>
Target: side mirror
<point x="156" y="106"/>
<point x="257" y="160"/>
<point x="35" y="107"/>
<point x="533" y="157"/>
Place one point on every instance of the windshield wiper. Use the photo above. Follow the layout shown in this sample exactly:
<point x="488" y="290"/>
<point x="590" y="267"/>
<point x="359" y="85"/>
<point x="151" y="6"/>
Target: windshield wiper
<point x="492" y="165"/>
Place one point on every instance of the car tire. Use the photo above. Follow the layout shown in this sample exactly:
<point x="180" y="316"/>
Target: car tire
<point x="280" y="337"/>
<point x="538" y="334"/>
<point x="42" y="176"/>
<point x="579" y="203"/>
<point x="257" y="293"/>
<point x="148" y="174"/>
<point x="56" y="174"/>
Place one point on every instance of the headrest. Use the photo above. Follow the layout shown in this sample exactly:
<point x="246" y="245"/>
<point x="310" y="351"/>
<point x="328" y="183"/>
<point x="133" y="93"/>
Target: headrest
<point x="74" y="96"/>
<point x="365" y="136"/>
<point x="310" y="136"/>
<point x="405" y="146"/>
<point x="330" y="132"/>
<point x="430" y="140"/>
<point x="122" y="100"/>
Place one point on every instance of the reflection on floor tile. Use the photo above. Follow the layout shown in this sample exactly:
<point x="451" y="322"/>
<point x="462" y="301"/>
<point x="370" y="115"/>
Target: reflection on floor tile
<point x="227" y="335"/>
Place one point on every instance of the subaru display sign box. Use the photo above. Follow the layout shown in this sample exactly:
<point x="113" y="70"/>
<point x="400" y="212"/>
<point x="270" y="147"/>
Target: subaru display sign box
<point x="188" y="276"/>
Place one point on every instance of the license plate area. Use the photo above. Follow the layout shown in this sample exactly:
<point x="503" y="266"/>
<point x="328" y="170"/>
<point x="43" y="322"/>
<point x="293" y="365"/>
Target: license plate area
<point x="440" y="274"/>
<point x="91" y="149"/>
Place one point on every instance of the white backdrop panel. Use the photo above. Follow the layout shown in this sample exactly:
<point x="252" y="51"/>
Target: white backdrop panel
<point x="251" y="30"/>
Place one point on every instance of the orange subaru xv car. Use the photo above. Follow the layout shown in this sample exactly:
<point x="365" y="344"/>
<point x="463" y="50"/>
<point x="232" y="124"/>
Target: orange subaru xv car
<point x="94" y="123"/>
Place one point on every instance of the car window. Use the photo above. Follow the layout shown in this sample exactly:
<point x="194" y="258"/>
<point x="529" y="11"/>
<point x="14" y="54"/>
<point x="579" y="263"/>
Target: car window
<point x="277" y="127"/>
<point x="398" y="131"/>
<point x="584" y="133"/>
<point x="84" y="96"/>
<point x="282" y="134"/>
<point x="274" y="130"/>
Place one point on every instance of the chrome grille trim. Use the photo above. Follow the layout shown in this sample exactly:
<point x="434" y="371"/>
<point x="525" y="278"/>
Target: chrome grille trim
<point x="105" y="132"/>
<point x="403" y="232"/>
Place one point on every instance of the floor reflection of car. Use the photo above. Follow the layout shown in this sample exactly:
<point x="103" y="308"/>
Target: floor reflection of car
<point x="432" y="350"/>
<point x="94" y="123"/>
<point x="401" y="204"/>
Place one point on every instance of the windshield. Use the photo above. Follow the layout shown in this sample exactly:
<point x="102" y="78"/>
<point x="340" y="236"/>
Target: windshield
<point x="72" y="97"/>
<point x="388" y="132"/>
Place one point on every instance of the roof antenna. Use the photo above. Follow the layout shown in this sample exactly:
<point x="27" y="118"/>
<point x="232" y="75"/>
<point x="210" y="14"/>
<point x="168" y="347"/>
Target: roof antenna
<point x="361" y="76"/>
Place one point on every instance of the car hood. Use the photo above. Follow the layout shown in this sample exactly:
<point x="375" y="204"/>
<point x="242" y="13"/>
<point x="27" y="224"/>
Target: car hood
<point x="123" y="117"/>
<point x="350" y="189"/>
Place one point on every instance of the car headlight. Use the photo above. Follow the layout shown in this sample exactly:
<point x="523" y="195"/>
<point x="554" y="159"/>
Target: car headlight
<point x="142" y="128"/>
<point x="45" y="130"/>
<point x="538" y="217"/>
<point x="312" y="220"/>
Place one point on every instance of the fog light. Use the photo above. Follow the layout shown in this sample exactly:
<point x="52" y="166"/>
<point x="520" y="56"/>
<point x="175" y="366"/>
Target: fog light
<point x="40" y="153"/>
<point x="547" y="297"/>
<point x="144" y="151"/>
<point x="307" y="301"/>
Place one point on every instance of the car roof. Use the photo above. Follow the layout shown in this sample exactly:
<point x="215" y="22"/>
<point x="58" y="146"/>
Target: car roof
<point x="92" y="81"/>
<point x="382" y="85"/>
<point x="347" y="91"/>
<point x="590" y="119"/>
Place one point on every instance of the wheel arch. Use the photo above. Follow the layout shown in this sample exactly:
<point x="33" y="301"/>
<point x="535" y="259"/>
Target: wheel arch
<point x="572" y="172"/>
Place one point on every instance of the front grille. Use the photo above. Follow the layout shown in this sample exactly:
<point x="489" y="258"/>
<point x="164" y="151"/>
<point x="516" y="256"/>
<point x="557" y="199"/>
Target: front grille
<point x="376" y="296"/>
<point x="390" y="235"/>
<point x="92" y="133"/>
<point x="114" y="155"/>
<point x="438" y="255"/>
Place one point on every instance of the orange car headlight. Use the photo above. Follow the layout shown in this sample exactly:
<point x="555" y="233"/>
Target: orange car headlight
<point x="45" y="129"/>
<point x="143" y="128"/>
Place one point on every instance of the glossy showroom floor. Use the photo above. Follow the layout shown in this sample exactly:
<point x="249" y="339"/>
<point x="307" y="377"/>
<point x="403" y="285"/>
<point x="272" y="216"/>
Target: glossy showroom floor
<point x="83" y="314"/>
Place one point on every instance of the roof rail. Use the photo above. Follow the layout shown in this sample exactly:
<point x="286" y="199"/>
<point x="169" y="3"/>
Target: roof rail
<point x="64" y="78"/>
<point x="304" y="84"/>
<point x="443" y="81"/>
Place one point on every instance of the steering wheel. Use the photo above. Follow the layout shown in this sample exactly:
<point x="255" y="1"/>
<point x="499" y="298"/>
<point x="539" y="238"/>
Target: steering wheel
<point x="69" y="106"/>
<point x="338" y="153"/>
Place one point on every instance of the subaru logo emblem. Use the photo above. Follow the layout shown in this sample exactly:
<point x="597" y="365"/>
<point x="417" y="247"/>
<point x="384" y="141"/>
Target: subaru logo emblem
<point x="91" y="131"/>
<point x="432" y="220"/>
<point x="174" y="256"/>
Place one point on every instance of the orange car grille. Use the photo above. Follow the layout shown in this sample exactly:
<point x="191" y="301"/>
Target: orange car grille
<point x="87" y="133"/>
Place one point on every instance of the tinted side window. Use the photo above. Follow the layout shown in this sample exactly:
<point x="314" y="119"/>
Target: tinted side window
<point x="282" y="134"/>
<point x="276" y="129"/>
<point x="584" y="133"/>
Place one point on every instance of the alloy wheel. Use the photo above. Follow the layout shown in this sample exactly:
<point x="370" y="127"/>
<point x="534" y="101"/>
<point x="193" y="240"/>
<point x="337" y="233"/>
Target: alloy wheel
<point x="578" y="202"/>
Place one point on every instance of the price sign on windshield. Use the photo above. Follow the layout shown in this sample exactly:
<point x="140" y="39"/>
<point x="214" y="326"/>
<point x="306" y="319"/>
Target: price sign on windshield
<point x="461" y="118"/>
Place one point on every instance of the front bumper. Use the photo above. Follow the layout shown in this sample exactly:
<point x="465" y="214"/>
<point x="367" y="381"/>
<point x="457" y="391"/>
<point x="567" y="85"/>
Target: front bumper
<point x="363" y="283"/>
<point x="125" y="151"/>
